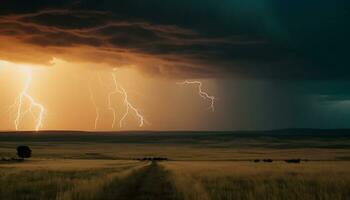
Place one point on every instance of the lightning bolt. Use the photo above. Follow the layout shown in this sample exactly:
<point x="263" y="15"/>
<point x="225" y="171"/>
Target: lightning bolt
<point x="32" y="104"/>
<point x="110" y="95"/>
<point x="129" y="105"/>
<point x="97" y="110"/>
<point x="119" y="89"/>
<point x="201" y="93"/>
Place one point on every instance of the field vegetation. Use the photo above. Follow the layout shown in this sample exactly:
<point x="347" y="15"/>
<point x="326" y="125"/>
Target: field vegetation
<point x="248" y="180"/>
<point x="195" y="166"/>
<point x="61" y="179"/>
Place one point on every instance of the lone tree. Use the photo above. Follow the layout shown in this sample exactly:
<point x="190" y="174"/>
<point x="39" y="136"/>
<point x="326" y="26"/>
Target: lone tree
<point x="24" y="152"/>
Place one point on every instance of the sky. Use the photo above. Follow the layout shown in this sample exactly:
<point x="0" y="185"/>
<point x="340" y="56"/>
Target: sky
<point x="174" y="65"/>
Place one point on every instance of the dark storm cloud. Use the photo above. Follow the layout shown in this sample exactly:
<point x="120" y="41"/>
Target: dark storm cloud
<point x="325" y="91"/>
<point x="335" y="98"/>
<point x="250" y="39"/>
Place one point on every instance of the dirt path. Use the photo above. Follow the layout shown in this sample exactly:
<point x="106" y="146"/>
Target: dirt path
<point x="149" y="183"/>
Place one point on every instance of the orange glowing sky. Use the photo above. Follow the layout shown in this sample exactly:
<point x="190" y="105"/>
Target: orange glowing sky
<point x="64" y="90"/>
<point x="65" y="78"/>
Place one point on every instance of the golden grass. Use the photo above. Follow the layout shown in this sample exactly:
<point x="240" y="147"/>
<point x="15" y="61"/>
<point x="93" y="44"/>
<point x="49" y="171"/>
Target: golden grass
<point x="60" y="179"/>
<point x="247" y="180"/>
<point x="82" y="170"/>
<point x="91" y="188"/>
<point x="68" y="179"/>
<point x="65" y="164"/>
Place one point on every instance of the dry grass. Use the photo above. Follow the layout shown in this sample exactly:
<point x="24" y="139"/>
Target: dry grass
<point x="93" y="188"/>
<point x="77" y="168"/>
<point x="65" y="164"/>
<point x="60" y="179"/>
<point x="190" y="180"/>
<point x="246" y="180"/>
<point x="149" y="183"/>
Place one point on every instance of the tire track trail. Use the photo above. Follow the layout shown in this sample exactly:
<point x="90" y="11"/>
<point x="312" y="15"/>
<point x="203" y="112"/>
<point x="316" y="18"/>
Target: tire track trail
<point x="149" y="183"/>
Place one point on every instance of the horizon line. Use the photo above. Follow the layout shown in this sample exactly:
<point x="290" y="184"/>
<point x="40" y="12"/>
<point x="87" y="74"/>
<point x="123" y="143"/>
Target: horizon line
<point x="170" y="131"/>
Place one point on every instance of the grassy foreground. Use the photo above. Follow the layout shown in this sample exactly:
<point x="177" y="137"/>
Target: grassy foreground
<point x="122" y="180"/>
<point x="203" y="166"/>
<point x="247" y="180"/>
<point x="173" y="180"/>
<point x="71" y="180"/>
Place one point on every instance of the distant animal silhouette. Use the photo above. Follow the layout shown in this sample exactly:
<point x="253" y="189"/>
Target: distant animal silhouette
<point x="153" y="159"/>
<point x="293" y="161"/>
<point x="268" y="160"/>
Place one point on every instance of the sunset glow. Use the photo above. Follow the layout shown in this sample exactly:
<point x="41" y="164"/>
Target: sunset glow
<point x="23" y="96"/>
<point x="97" y="94"/>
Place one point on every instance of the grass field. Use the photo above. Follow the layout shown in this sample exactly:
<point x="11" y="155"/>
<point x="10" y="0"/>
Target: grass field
<point x="247" y="180"/>
<point x="201" y="166"/>
<point x="60" y="179"/>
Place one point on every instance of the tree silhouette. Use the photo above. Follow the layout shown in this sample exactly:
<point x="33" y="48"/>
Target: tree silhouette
<point x="24" y="152"/>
